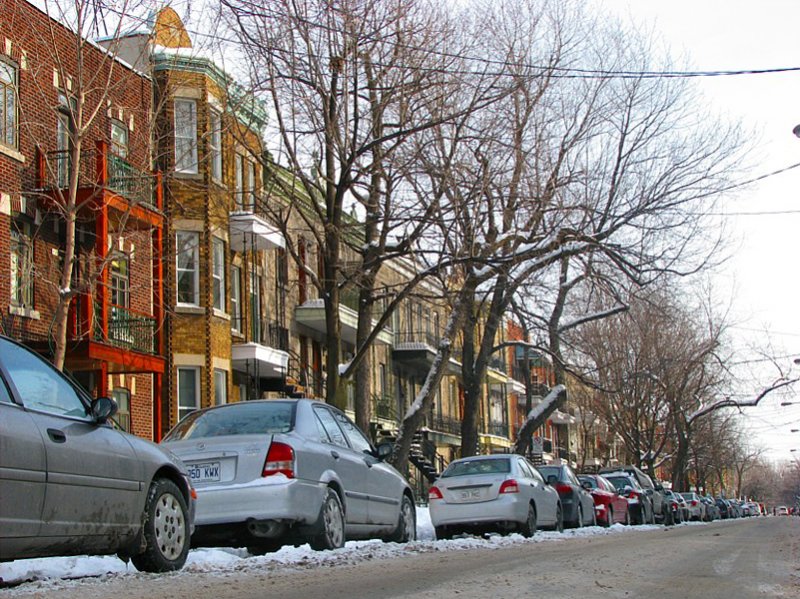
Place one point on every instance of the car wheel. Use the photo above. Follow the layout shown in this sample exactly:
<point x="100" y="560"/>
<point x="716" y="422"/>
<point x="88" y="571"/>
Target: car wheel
<point x="332" y="515"/>
<point x="407" y="523"/>
<point x="559" y="527"/>
<point x="594" y="516"/>
<point x="528" y="528"/>
<point x="165" y="528"/>
<point x="627" y="517"/>
<point x="579" y="520"/>
<point x="609" y="517"/>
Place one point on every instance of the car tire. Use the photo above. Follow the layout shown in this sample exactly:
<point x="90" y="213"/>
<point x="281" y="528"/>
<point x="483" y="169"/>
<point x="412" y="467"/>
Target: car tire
<point x="609" y="517"/>
<point x="165" y="529"/>
<point x="627" y="517"/>
<point x="559" y="527"/>
<point x="442" y="533"/>
<point x="332" y="516"/>
<point x="406" y="530"/>
<point x="528" y="528"/>
<point x="579" y="518"/>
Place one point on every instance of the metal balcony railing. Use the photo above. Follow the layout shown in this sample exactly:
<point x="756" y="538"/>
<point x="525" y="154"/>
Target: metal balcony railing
<point x="416" y="337"/>
<point x="445" y="424"/>
<point x="126" y="329"/>
<point x="385" y="407"/>
<point x="498" y="429"/>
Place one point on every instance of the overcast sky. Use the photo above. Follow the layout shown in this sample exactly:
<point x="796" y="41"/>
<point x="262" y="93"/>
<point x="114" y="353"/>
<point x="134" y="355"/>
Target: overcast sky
<point x="763" y="278"/>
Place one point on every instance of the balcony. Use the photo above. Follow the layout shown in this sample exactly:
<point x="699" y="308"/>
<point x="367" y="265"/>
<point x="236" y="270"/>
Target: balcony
<point x="265" y="354"/>
<point x="498" y="429"/>
<point x="250" y="230"/>
<point x="445" y="424"/>
<point x="384" y="408"/>
<point x="418" y="349"/>
<point x="311" y="315"/>
<point x="104" y="180"/>
<point x="126" y="330"/>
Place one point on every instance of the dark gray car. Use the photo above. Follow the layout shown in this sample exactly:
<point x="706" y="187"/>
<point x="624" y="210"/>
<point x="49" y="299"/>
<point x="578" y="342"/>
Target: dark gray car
<point x="71" y="484"/>
<point x="272" y="472"/>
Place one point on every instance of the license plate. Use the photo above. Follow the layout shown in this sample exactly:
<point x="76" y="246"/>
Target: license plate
<point x="204" y="473"/>
<point x="471" y="494"/>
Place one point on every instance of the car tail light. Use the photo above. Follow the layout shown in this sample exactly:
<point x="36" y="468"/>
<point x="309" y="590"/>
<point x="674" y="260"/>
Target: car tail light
<point x="509" y="486"/>
<point x="633" y="495"/>
<point x="280" y="460"/>
<point x="434" y="493"/>
<point x="563" y="488"/>
<point x="694" y="502"/>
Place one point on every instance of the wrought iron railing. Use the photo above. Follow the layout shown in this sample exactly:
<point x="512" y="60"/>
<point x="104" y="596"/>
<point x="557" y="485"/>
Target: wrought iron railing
<point x="417" y="337"/>
<point x="497" y="363"/>
<point x="126" y="329"/>
<point x="498" y="429"/>
<point x="119" y="175"/>
<point x="385" y="407"/>
<point x="445" y="424"/>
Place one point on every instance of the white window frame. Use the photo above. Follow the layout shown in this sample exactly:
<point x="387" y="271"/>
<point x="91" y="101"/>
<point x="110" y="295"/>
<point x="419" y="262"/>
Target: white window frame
<point x="8" y="99"/>
<point x="184" y="407"/>
<point x="215" y="144"/>
<point x="119" y="138"/>
<point x="218" y="273"/>
<point x="238" y="177"/>
<point x="220" y="386"/>
<point x="236" y="299"/>
<point x="192" y="246"/>
<point x="185" y="136"/>
<point x="251" y="186"/>
<point x="21" y="265"/>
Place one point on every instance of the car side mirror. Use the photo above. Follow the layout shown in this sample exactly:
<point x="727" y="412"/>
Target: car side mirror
<point x="103" y="408"/>
<point x="383" y="451"/>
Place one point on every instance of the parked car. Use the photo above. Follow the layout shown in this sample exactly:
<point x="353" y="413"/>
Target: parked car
<point x="576" y="501"/>
<point x="640" y="506"/>
<point x="609" y="506"/>
<point x="493" y="492"/>
<point x="724" y="506"/>
<point x="654" y="490"/>
<point x="72" y="484"/>
<point x="782" y="510"/>
<point x="712" y="511"/>
<point x="271" y="472"/>
<point x="680" y="511"/>
<point x="697" y="509"/>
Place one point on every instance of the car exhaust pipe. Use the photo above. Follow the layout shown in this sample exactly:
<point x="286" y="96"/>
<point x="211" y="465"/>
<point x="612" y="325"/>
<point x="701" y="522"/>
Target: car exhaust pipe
<point x="269" y="529"/>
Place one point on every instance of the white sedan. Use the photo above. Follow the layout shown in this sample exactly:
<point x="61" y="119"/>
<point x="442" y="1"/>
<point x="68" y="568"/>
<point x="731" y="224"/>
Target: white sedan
<point x="493" y="493"/>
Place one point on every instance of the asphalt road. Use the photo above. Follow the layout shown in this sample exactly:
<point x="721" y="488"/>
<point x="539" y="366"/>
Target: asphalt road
<point x="757" y="557"/>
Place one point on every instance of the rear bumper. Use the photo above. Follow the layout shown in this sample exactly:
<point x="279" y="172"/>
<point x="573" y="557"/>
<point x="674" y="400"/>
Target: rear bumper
<point x="505" y="508"/>
<point x="272" y="498"/>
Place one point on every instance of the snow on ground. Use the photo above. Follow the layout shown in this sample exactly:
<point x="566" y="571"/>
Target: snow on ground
<point x="55" y="572"/>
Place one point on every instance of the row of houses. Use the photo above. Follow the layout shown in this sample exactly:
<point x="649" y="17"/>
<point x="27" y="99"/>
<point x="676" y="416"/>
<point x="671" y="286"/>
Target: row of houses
<point x="183" y="294"/>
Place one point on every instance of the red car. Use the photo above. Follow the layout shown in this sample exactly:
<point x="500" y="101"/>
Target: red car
<point x="609" y="507"/>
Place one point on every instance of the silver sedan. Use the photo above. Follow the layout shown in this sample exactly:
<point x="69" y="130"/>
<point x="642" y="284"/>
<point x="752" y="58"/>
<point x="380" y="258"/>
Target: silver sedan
<point x="495" y="492"/>
<point x="273" y="472"/>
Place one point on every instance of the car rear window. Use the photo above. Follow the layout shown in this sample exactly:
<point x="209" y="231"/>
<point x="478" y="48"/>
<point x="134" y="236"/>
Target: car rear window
<point x="236" y="419"/>
<point x="619" y="482"/>
<point x="472" y="467"/>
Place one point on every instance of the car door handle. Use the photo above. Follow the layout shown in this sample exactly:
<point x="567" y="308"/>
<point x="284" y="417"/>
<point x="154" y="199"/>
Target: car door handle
<point x="335" y="454"/>
<point x="56" y="435"/>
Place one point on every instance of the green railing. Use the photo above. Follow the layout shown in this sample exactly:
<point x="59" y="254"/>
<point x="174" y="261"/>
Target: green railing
<point x="129" y="181"/>
<point x="127" y="330"/>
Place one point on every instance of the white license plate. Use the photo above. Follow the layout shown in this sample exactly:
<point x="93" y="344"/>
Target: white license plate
<point x="470" y="494"/>
<point x="204" y="473"/>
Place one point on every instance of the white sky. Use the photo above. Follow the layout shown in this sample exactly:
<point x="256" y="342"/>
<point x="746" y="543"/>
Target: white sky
<point x="762" y="278"/>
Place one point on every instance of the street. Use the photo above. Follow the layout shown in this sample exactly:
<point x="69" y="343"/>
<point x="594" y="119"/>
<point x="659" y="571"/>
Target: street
<point x="754" y="557"/>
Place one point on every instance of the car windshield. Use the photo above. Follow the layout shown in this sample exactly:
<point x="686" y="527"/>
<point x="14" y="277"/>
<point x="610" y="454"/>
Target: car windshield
<point x="551" y="471"/>
<point x="619" y="482"/>
<point x="244" y="418"/>
<point x="471" y="467"/>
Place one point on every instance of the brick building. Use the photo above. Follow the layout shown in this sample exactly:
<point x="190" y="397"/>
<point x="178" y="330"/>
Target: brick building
<point x="73" y="114"/>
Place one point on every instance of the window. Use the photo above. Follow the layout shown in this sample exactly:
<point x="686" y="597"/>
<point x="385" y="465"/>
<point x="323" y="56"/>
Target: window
<point x="120" y="282"/>
<point x="123" y="398"/>
<point x="238" y="181"/>
<point x="21" y="265"/>
<point x="220" y="387"/>
<point x="328" y="422"/>
<point x="188" y="391"/>
<point x="218" y="273"/>
<point x="41" y="387"/>
<point x="185" y="136"/>
<point x="8" y="105"/>
<point x="64" y="131"/>
<point x="251" y="187"/>
<point x="282" y="259"/>
<point x="215" y="144"/>
<point x="255" y="307"/>
<point x="236" y="299"/>
<point x="357" y="439"/>
<point x="119" y="139"/>
<point x="187" y="268"/>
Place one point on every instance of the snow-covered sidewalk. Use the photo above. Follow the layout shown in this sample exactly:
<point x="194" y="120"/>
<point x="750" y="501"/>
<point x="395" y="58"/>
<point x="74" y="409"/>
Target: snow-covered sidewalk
<point x="51" y="572"/>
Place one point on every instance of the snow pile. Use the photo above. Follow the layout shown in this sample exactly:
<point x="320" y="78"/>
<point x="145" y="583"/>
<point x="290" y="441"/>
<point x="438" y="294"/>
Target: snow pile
<point x="51" y="573"/>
